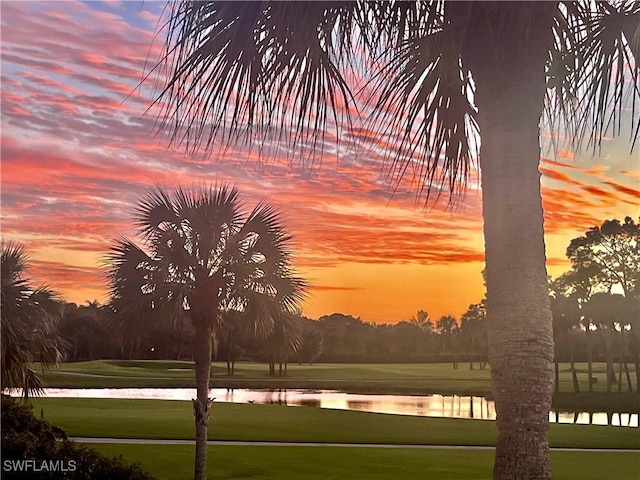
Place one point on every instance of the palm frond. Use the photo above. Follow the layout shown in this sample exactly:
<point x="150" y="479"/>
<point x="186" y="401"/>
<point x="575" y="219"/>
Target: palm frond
<point x="239" y="71"/>
<point x="30" y="316"/>
<point x="422" y="107"/>
<point x="264" y="71"/>
<point x="594" y="71"/>
<point x="154" y="210"/>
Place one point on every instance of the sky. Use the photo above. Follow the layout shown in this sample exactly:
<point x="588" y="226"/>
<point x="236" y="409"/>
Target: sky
<point x="78" y="151"/>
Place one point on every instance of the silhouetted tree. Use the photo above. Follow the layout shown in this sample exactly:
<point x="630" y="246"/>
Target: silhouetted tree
<point x="422" y="320"/>
<point x="566" y="325"/>
<point x="311" y="347"/>
<point x="30" y="316"/>
<point x="606" y="311"/>
<point x="604" y="259"/>
<point x="87" y="332"/>
<point x="609" y="255"/>
<point x="201" y="255"/>
<point x="473" y="330"/>
<point x="283" y="342"/>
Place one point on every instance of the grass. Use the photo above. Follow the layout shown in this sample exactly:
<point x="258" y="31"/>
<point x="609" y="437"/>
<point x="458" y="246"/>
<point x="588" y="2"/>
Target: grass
<point x="362" y="378"/>
<point x="174" y="419"/>
<point x="326" y="463"/>
<point x="253" y="422"/>
<point x="365" y="377"/>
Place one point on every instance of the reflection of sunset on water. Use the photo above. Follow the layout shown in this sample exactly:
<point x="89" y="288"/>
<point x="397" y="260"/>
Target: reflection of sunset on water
<point x="442" y="406"/>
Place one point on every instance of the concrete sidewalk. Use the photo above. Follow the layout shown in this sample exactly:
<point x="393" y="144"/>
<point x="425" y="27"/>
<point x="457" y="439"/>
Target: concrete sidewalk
<point x="147" y="441"/>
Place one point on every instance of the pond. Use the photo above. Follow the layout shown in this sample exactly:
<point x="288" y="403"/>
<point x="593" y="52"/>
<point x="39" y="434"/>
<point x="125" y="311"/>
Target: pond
<point x="448" y="406"/>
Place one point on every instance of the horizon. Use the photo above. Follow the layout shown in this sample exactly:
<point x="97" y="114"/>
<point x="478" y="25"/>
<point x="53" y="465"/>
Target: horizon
<point x="77" y="152"/>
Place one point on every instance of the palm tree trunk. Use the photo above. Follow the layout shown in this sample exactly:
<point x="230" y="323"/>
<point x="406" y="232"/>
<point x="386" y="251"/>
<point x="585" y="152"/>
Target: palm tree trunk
<point x="202" y="403"/>
<point x="620" y="362"/>
<point x="520" y="331"/>
<point x="628" y="375"/>
<point x="574" y="374"/>
<point x="611" y="374"/>
<point x="510" y="99"/>
<point x="589" y="361"/>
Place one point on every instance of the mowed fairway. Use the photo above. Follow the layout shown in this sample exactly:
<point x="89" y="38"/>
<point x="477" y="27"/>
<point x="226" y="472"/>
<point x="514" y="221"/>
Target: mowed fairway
<point x="363" y="378"/>
<point x="175" y="462"/>
<point x="167" y="419"/>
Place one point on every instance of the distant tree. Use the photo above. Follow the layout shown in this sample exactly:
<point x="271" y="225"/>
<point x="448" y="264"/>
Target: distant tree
<point x="633" y="316"/>
<point x="342" y="335"/>
<point x="409" y="340"/>
<point x="447" y="327"/>
<point x="229" y="333"/>
<point x="605" y="260"/>
<point x="609" y="256"/>
<point x="422" y="320"/>
<point x="311" y="347"/>
<point x="381" y="342"/>
<point x="30" y="318"/>
<point x="607" y="312"/>
<point x="282" y="343"/>
<point x="473" y="330"/>
<point x="87" y="332"/>
<point x="201" y="256"/>
<point x="566" y="325"/>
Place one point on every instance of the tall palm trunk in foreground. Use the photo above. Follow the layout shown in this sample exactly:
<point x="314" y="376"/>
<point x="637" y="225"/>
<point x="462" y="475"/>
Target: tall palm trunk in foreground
<point x="510" y="97"/>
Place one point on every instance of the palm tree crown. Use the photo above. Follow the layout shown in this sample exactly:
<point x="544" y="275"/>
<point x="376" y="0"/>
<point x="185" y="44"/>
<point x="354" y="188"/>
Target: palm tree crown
<point x="262" y="70"/>
<point x="203" y="255"/>
<point x="29" y="323"/>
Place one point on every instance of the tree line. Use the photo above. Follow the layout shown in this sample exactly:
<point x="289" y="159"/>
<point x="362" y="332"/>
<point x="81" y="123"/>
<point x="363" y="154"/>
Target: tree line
<point x="595" y="308"/>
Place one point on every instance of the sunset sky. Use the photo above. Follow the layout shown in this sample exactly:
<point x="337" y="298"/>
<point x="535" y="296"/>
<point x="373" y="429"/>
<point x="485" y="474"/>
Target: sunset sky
<point x="77" y="152"/>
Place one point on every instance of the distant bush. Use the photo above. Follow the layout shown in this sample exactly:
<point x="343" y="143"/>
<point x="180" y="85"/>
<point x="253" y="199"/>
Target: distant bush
<point x="35" y="449"/>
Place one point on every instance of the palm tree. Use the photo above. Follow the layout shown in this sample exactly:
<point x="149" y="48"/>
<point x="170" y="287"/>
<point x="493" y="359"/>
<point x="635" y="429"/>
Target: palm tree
<point x="282" y="344"/>
<point x="201" y="257"/>
<point x="30" y="318"/>
<point x="444" y="75"/>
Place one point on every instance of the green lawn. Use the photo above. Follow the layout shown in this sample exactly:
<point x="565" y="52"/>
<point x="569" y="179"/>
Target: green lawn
<point x="379" y="378"/>
<point x="326" y="463"/>
<point x="174" y="419"/>
<point x="252" y="422"/>
<point x="414" y="378"/>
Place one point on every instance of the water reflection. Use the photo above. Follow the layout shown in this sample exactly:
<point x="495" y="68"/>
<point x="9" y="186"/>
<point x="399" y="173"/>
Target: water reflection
<point x="451" y="406"/>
